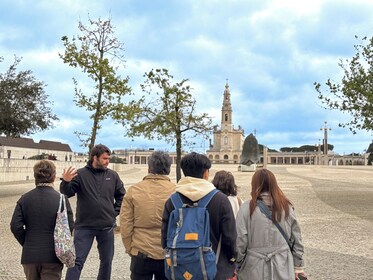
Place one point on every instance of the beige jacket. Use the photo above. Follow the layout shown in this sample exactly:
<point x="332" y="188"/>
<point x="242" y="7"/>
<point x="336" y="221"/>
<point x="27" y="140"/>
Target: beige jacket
<point x="141" y="215"/>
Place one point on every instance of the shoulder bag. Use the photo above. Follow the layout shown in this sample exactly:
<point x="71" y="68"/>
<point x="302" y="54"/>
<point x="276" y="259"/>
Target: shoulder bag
<point x="63" y="242"/>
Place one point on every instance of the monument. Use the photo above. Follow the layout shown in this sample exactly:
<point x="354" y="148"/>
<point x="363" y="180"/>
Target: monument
<point x="250" y="155"/>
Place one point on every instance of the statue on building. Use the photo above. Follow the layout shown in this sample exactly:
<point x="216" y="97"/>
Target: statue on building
<point x="250" y="152"/>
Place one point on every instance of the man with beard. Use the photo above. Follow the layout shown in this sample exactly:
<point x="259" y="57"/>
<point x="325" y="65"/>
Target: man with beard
<point x="99" y="192"/>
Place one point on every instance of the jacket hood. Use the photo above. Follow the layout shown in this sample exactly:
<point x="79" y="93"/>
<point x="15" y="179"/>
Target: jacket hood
<point x="194" y="188"/>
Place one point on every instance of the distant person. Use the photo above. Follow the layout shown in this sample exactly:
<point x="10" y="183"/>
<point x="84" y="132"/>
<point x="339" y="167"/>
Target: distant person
<point x="263" y="251"/>
<point x="99" y="193"/>
<point x="224" y="181"/>
<point x="33" y="223"/>
<point x="193" y="187"/>
<point x="141" y="219"/>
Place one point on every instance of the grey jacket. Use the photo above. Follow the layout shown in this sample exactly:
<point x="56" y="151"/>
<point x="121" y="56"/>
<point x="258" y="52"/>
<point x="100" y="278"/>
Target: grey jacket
<point x="262" y="250"/>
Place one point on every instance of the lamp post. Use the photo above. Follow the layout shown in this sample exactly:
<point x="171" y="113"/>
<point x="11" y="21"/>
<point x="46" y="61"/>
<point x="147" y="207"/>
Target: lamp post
<point x="325" y="141"/>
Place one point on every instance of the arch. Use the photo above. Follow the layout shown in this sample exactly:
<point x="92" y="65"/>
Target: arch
<point x="211" y="157"/>
<point x="225" y="156"/>
<point x="235" y="156"/>
<point x="216" y="156"/>
<point x="226" y="117"/>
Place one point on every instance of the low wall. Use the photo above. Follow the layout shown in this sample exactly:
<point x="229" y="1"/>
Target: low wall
<point x="22" y="169"/>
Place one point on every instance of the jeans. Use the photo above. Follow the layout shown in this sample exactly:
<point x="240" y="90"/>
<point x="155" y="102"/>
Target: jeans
<point x="143" y="268"/>
<point x="83" y="239"/>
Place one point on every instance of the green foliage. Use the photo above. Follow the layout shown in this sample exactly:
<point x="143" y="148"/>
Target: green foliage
<point x="305" y="148"/>
<point x="167" y="111"/>
<point x="39" y="157"/>
<point x="23" y="103"/>
<point x="261" y="148"/>
<point x="95" y="51"/>
<point x="354" y="94"/>
<point x="115" y="159"/>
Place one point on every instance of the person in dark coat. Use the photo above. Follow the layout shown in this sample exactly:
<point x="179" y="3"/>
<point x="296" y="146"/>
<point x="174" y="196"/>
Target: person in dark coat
<point x="33" y="223"/>
<point x="99" y="192"/>
<point x="193" y="187"/>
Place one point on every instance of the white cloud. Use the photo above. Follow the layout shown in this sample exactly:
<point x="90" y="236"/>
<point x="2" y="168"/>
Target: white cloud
<point x="271" y="51"/>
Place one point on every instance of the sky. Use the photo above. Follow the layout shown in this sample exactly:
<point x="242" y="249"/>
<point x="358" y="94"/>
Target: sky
<point x="270" y="52"/>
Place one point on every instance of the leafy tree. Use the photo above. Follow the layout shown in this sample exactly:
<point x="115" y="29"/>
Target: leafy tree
<point x="305" y="148"/>
<point x="23" y="103"/>
<point x="261" y="149"/>
<point x="95" y="51"/>
<point x="168" y="112"/>
<point x="115" y="159"/>
<point x="354" y="94"/>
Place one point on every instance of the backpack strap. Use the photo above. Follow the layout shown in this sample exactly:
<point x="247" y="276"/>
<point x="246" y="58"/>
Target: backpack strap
<point x="264" y="209"/>
<point x="176" y="200"/>
<point x="204" y="201"/>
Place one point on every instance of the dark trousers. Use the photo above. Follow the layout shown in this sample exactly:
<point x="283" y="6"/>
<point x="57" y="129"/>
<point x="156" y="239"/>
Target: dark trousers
<point x="83" y="239"/>
<point x="143" y="268"/>
<point x="43" y="271"/>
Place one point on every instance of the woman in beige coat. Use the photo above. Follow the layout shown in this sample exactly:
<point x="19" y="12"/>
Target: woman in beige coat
<point x="263" y="251"/>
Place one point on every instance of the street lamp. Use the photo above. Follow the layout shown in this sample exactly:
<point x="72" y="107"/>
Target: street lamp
<point x="325" y="141"/>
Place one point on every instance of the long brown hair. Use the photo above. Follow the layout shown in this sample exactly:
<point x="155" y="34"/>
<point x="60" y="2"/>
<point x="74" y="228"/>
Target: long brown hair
<point x="264" y="180"/>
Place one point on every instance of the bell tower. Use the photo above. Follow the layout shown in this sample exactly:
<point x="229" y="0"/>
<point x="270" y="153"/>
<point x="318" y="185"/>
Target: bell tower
<point x="226" y="110"/>
<point x="228" y="141"/>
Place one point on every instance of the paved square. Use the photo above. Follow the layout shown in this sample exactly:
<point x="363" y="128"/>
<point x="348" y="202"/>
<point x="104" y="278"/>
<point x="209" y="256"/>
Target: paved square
<point x="334" y="205"/>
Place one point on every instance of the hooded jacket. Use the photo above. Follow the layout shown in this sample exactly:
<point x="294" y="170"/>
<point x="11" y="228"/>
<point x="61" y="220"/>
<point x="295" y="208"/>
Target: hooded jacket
<point x="99" y="196"/>
<point x="222" y="221"/>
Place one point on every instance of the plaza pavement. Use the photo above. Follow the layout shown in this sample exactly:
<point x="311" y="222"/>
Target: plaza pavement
<point x="334" y="205"/>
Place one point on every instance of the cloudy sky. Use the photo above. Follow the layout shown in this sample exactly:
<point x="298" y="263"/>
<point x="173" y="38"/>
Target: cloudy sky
<point x="270" y="51"/>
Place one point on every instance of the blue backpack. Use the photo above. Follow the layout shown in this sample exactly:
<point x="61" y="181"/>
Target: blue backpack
<point x="189" y="254"/>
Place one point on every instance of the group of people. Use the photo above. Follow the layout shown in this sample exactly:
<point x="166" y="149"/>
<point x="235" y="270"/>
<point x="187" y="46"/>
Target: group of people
<point x="250" y="242"/>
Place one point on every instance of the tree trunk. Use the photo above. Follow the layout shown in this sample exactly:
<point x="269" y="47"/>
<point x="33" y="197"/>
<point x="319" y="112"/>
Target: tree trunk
<point x="98" y="107"/>
<point x="178" y="156"/>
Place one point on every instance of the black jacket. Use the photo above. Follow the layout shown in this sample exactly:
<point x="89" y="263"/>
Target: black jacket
<point x="99" y="196"/>
<point x="33" y="223"/>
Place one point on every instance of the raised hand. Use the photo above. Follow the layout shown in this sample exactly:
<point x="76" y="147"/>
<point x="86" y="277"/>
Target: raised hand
<point x="69" y="174"/>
